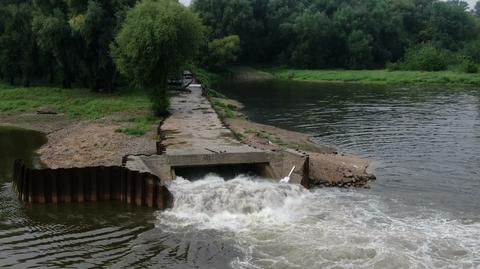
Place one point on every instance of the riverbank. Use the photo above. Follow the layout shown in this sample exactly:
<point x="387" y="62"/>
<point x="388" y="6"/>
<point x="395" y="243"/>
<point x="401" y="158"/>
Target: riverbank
<point x="83" y="128"/>
<point x="327" y="166"/>
<point x="89" y="129"/>
<point x="381" y="76"/>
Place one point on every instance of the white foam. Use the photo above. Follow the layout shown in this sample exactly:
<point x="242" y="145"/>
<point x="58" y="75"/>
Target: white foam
<point x="286" y="226"/>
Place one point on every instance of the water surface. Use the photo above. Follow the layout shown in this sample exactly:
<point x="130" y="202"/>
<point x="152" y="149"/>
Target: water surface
<point x="425" y="140"/>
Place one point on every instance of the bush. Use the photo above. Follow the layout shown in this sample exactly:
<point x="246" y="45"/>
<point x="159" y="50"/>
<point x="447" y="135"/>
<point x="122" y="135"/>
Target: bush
<point x="223" y="51"/>
<point x="393" y="66"/>
<point x="425" y="57"/>
<point x="469" y="67"/>
<point x="472" y="51"/>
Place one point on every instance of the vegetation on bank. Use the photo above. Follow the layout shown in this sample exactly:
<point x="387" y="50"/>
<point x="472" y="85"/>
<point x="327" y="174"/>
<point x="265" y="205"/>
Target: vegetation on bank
<point x="101" y="45"/>
<point x="377" y="76"/>
<point x="81" y="104"/>
<point x="156" y="40"/>
<point x="107" y="45"/>
<point x="322" y="34"/>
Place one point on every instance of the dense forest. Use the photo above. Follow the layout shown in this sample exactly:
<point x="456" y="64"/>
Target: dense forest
<point x="100" y="44"/>
<point x="346" y="33"/>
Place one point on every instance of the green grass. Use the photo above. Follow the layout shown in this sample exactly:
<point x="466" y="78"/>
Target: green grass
<point x="76" y="103"/>
<point x="139" y="125"/>
<point x="225" y="110"/>
<point x="82" y="104"/>
<point x="377" y="76"/>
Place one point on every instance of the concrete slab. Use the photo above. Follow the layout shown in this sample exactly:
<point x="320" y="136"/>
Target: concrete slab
<point x="194" y="136"/>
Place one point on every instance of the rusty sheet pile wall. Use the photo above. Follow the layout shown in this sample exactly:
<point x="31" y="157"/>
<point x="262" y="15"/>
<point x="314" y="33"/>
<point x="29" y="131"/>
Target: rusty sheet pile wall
<point x="90" y="184"/>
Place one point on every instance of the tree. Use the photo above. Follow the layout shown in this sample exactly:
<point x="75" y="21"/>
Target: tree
<point x="156" y="39"/>
<point x="97" y="32"/>
<point x="234" y="17"/>
<point x="223" y="51"/>
<point x="450" y="26"/>
<point x="476" y="9"/>
<point x="314" y="32"/>
<point x="18" y="50"/>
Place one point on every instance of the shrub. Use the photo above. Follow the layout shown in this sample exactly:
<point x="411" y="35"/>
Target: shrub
<point x="472" y="51"/>
<point x="425" y="57"/>
<point x="469" y="66"/>
<point x="393" y="66"/>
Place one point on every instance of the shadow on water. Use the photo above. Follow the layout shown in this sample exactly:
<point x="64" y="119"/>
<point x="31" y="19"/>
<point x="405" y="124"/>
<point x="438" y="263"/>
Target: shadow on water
<point x="18" y="144"/>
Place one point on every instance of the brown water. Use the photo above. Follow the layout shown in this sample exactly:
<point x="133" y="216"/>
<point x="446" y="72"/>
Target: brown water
<point x="423" y="212"/>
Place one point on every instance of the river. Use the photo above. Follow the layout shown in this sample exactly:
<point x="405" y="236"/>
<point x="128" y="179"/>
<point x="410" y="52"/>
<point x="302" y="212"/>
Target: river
<point x="422" y="212"/>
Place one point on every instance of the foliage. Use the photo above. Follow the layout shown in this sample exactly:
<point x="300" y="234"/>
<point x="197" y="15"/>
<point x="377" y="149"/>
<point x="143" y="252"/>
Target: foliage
<point x="205" y="77"/>
<point x="69" y="42"/>
<point x="469" y="67"/>
<point x="450" y="25"/>
<point x="223" y="51"/>
<point x="471" y="51"/>
<point x="157" y="38"/>
<point x="425" y="57"/>
<point x="338" y="34"/>
<point x="64" y="41"/>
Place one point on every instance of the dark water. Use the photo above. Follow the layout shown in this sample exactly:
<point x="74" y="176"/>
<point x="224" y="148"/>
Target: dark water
<point x="425" y="141"/>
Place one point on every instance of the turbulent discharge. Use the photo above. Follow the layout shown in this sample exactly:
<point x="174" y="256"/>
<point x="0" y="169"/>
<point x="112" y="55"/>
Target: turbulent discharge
<point x="285" y="226"/>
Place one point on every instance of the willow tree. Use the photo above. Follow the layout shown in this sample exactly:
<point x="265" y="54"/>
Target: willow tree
<point x="156" y="39"/>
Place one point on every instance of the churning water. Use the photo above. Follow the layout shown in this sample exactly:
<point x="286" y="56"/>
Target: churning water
<point x="285" y="226"/>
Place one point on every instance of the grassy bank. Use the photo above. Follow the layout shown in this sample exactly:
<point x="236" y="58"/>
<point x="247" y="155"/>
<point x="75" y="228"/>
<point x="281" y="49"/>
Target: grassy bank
<point x="377" y="76"/>
<point x="81" y="104"/>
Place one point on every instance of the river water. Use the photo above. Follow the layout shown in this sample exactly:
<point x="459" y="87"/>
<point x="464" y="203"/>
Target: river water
<point x="422" y="212"/>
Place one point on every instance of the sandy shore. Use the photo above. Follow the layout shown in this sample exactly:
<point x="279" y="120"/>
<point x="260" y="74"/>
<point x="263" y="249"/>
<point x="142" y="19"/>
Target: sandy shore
<point x="83" y="143"/>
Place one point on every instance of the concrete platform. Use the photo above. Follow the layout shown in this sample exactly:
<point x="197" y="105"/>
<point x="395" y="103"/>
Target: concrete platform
<point x="195" y="137"/>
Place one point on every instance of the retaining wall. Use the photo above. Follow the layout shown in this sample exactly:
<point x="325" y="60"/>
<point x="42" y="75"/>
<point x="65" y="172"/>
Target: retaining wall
<point x="90" y="184"/>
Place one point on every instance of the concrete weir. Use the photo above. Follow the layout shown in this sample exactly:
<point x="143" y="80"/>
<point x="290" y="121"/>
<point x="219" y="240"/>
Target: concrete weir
<point x="195" y="141"/>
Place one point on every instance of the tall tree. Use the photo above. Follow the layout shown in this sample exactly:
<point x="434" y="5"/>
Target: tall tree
<point x="157" y="38"/>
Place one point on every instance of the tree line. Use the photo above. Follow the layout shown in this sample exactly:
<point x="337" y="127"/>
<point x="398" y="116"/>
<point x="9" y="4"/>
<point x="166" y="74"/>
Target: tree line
<point x="60" y="41"/>
<point x="345" y="33"/>
<point x="97" y="44"/>
<point x="101" y="44"/>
